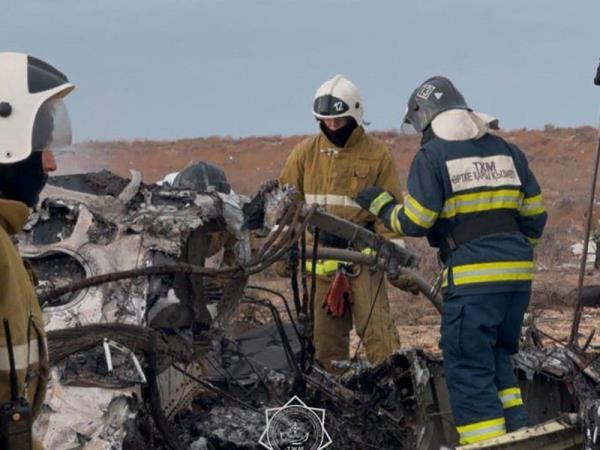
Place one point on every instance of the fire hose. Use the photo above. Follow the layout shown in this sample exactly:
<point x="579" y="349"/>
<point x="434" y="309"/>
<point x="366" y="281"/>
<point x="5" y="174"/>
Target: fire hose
<point x="373" y="261"/>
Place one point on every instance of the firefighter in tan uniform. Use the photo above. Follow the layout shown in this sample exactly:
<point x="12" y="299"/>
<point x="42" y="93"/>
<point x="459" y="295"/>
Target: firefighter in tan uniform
<point x="32" y="120"/>
<point x="330" y="169"/>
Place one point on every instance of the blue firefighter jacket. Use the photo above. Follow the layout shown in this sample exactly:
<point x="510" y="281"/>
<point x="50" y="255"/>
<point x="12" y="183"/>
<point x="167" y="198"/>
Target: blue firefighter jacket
<point x="453" y="181"/>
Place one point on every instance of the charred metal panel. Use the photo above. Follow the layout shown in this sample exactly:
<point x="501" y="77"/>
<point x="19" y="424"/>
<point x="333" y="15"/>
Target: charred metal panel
<point x="94" y="224"/>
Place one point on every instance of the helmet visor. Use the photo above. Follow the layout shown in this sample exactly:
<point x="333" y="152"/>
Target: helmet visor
<point x="406" y="127"/>
<point x="330" y="106"/>
<point x="52" y="127"/>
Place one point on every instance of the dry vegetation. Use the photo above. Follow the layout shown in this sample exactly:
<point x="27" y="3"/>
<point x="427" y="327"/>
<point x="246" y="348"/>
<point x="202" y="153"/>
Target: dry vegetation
<point x="560" y="157"/>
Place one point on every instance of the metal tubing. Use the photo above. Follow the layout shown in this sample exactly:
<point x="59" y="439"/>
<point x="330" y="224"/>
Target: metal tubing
<point x="370" y="261"/>
<point x="573" y="340"/>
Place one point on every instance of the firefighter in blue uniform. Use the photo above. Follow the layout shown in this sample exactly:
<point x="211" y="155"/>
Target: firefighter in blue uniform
<point x="474" y="197"/>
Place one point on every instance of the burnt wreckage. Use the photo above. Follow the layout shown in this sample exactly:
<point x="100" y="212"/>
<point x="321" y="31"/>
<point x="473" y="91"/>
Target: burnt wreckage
<point x="108" y="252"/>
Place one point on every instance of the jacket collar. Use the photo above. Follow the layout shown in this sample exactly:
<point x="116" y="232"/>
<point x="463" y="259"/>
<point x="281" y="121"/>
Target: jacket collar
<point x="13" y="215"/>
<point x="356" y="136"/>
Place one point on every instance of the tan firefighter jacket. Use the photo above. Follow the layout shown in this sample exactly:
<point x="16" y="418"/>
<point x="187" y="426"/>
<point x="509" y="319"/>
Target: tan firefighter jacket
<point x="333" y="176"/>
<point x="18" y="303"/>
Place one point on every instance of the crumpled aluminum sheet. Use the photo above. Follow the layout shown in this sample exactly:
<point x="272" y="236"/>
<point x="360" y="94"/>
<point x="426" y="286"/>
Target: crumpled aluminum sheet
<point x="142" y="220"/>
<point x="84" y="417"/>
<point x="552" y="360"/>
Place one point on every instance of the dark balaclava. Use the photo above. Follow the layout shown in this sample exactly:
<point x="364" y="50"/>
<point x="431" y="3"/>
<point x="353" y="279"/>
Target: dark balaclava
<point x="339" y="137"/>
<point x="23" y="181"/>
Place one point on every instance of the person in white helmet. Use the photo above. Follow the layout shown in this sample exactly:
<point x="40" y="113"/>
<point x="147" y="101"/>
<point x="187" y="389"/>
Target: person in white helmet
<point x="330" y="169"/>
<point x="33" y="121"/>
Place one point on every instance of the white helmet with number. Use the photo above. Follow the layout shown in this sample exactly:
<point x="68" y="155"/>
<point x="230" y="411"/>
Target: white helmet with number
<point x="338" y="97"/>
<point x="32" y="115"/>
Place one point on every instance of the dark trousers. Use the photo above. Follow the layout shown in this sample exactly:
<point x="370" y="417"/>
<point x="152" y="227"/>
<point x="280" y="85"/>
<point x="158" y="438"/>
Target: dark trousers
<point x="479" y="333"/>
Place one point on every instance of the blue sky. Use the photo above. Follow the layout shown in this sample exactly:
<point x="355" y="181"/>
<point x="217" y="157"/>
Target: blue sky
<point x="182" y="68"/>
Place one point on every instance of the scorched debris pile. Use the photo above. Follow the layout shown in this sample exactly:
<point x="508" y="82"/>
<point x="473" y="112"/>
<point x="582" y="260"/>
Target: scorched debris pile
<point x="108" y="254"/>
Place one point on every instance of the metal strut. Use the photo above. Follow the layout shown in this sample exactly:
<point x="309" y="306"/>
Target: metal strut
<point x="573" y="340"/>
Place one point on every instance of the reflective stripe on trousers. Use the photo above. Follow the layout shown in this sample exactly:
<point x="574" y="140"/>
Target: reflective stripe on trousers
<point x="480" y="431"/>
<point x="510" y="397"/>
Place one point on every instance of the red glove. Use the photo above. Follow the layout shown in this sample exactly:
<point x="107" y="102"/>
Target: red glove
<point x="339" y="295"/>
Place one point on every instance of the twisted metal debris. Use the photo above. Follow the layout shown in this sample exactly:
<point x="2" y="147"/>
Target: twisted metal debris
<point x="118" y="254"/>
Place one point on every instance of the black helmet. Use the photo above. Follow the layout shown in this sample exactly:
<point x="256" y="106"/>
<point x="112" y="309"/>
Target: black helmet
<point x="433" y="97"/>
<point x="200" y="176"/>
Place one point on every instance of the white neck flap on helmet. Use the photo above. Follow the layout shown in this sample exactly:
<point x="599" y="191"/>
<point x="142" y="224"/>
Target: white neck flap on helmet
<point x="462" y="124"/>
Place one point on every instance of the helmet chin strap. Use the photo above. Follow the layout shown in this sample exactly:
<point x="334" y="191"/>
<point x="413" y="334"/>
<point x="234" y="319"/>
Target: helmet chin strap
<point x="428" y="135"/>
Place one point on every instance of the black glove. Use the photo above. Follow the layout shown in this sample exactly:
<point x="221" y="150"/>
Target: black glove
<point x="254" y="211"/>
<point x="378" y="202"/>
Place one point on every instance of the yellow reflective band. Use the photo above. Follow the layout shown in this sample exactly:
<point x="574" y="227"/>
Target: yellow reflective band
<point x="481" y="431"/>
<point x="482" y="201"/>
<point x="532" y="200"/>
<point x="419" y="214"/>
<point x="324" y="266"/>
<point x="380" y="201"/>
<point x="491" y="272"/>
<point x="445" y="278"/>
<point x="330" y="200"/>
<point x="395" y="221"/>
<point x="532" y="241"/>
<point x="532" y="206"/>
<point x="329" y="266"/>
<point x="369" y="251"/>
<point x="510" y="397"/>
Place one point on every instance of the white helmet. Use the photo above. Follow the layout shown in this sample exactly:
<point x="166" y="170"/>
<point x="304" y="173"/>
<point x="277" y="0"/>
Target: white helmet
<point x="31" y="111"/>
<point x="338" y="97"/>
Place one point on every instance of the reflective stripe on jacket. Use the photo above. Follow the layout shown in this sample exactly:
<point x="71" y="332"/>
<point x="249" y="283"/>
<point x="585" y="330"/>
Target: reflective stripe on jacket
<point x="19" y="304"/>
<point x="453" y="181"/>
<point x="333" y="176"/>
